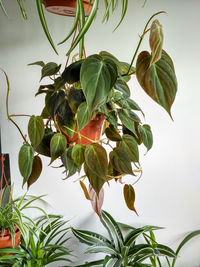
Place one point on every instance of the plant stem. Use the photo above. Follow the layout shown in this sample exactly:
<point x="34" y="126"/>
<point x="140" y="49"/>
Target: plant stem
<point x="7" y="110"/>
<point x="141" y="38"/>
<point x="19" y="115"/>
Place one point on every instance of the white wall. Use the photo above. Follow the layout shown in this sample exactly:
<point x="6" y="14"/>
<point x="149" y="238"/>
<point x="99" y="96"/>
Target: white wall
<point x="168" y="193"/>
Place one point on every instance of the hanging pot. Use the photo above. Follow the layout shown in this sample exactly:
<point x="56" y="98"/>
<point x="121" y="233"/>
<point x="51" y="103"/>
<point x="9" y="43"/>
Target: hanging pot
<point x="65" y="7"/>
<point x="6" y="240"/>
<point x="91" y="131"/>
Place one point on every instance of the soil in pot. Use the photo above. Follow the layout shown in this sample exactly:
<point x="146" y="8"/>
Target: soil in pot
<point x="65" y="7"/>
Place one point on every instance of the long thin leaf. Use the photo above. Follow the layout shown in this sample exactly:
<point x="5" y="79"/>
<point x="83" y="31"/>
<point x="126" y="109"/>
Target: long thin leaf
<point x="3" y="8"/>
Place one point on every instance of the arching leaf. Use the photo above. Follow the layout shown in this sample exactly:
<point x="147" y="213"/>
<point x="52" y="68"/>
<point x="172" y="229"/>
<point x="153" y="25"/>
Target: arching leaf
<point x="146" y="135"/>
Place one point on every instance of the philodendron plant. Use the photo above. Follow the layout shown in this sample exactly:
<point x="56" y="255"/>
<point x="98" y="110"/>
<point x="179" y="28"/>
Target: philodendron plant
<point x="137" y="247"/>
<point x="95" y="89"/>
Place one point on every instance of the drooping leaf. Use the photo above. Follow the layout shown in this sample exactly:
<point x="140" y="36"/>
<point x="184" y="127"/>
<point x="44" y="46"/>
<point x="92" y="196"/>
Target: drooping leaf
<point x="112" y="118"/>
<point x="156" y="41"/>
<point x="129" y="196"/>
<point x="44" y="147"/>
<point x="71" y="74"/>
<point x="159" y="80"/>
<point x="133" y="105"/>
<point x="68" y="162"/>
<point x="75" y="98"/>
<point x="57" y="146"/>
<point x="78" y="154"/>
<point x="50" y="69"/>
<point x="82" y="116"/>
<point x="112" y="133"/>
<point x="146" y="135"/>
<point x="120" y="101"/>
<point x="38" y="63"/>
<point x="25" y="160"/>
<point x="129" y="143"/>
<point x="102" y="248"/>
<point x="127" y="121"/>
<point x="35" y="130"/>
<point x="95" y="181"/>
<point x="36" y="171"/>
<point x="96" y="201"/>
<point x="120" y="160"/>
<point x="97" y="78"/>
<point x="54" y="101"/>
<point x="122" y="87"/>
<point x="96" y="160"/>
<point x="84" y="188"/>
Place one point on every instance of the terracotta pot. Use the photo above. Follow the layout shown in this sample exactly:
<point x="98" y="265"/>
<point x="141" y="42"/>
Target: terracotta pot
<point x="6" y="241"/>
<point x="65" y="7"/>
<point x="92" y="131"/>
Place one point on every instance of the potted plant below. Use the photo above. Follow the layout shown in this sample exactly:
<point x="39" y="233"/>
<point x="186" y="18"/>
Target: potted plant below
<point x="95" y="88"/>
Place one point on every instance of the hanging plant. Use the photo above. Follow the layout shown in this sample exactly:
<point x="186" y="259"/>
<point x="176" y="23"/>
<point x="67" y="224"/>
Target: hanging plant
<point x="87" y="94"/>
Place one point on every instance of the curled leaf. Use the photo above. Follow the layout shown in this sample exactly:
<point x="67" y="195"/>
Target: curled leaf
<point x="129" y="196"/>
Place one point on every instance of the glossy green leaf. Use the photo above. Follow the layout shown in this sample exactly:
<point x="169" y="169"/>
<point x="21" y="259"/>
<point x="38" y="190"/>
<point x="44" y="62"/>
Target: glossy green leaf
<point x="129" y="196"/>
<point x="25" y="160"/>
<point x="97" y="77"/>
<point x="78" y="154"/>
<point x="122" y="87"/>
<point x="133" y="105"/>
<point x="127" y="121"/>
<point x="120" y="160"/>
<point x="50" y="69"/>
<point x="130" y="145"/>
<point x="35" y="130"/>
<point x="146" y="135"/>
<point x="36" y="171"/>
<point x="96" y="160"/>
<point x="113" y="229"/>
<point x="68" y="162"/>
<point x="159" y="80"/>
<point x="156" y="41"/>
<point x="82" y="116"/>
<point x="57" y="146"/>
<point x="95" y="181"/>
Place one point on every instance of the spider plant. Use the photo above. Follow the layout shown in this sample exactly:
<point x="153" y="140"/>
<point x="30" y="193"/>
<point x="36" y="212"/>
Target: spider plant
<point x="124" y="249"/>
<point x="21" y="6"/>
<point x="46" y="245"/>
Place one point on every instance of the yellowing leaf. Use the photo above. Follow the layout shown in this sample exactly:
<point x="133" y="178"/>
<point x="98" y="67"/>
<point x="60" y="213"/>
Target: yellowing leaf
<point x="85" y="190"/>
<point x="129" y="196"/>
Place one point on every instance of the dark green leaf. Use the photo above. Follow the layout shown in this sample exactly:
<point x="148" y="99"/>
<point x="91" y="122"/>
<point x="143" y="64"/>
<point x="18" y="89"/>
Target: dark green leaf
<point x="82" y="116"/>
<point x="159" y="80"/>
<point x="121" y="86"/>
<point x="50" y="69"/>
<point x="71" y="74"/>
<point x="78" y="154"/>
<point x="129" y="196"/>
<point x="57" y="146"/>
<point x="97" y="77"/>
<point x="112" y="133"/>
<point x="146" y="135"/>
<point x="95" y="181"/>
<point x="112" y="118"/>
<point x="39" y="63"/>
<point x="127" y="121"/>
<point x="35" y="130"/>
<point x="130" y="146"/>
<point x="53" y="102"/>
<point x="133" y="105"/>
<point x="25" y="160"/>
<point x="120" y="160"/>
<point x="75" y="98"/>
<point x="36" y="171"/>
<point x="68" y="162"/>
<point x="96" y="160"/>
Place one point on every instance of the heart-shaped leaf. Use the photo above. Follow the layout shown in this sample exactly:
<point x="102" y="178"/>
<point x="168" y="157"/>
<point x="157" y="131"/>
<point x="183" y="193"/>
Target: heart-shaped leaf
<point x="97" y="78"/>
<point x="129" y="143"/>
<point x="36" y="171"/>
<point x="127" y="121"/>
<point x="78" y="154"/>
<point x="68" y="162"/>
<point x="96" y="160"/>
<point x="35" y="130"/>
<point x="120" y="160"/>
<point x="57" y="146"/>
<point x="156" y="41"/>
<point x="159" y="80"/>
<point x="129" y="196"/>
<point x="146" y="135"/>
<point x="95" y="181"/>
<point x="122" y="87"/>
<point x="25" y="160"/>
<point x="112" y="133"/>
<point x="82" y="116"/>
<point x="50" y="69"/>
